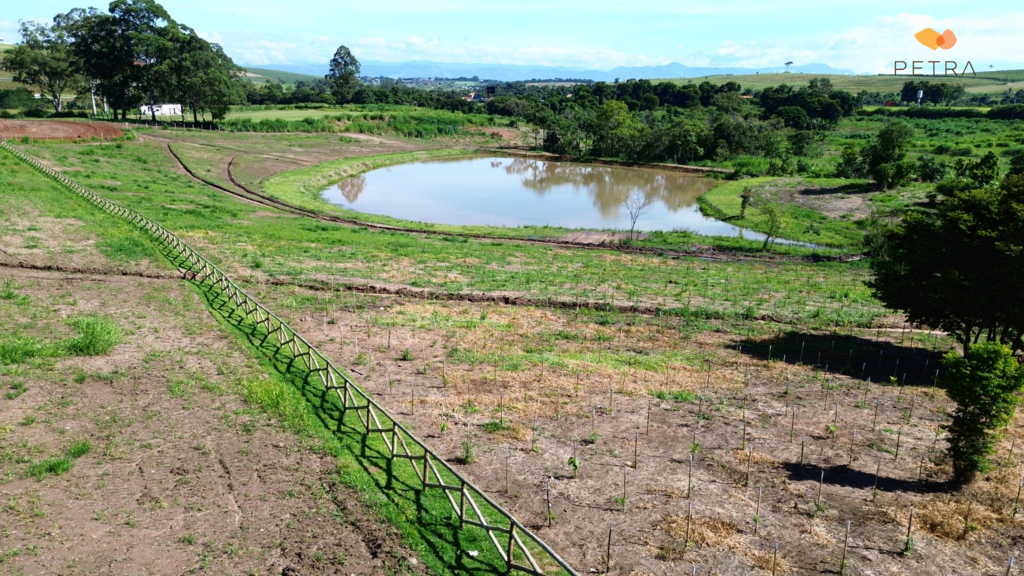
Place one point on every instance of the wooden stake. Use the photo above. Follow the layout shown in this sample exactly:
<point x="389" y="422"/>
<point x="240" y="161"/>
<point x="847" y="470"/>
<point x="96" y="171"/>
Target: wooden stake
<point x="910" y="526"/>
<point x="743" y="441"/>
<point x="689" y="480"/>
<point x="608" y="552"/>
<point x="1009" y="568"/>
<point x="547" y="499"/>
<point x="792" y="424"/>
<point x="874" y="419"/>
<point x="1016" y="500"/>
<point x="636" y="446"/>
<point x="853" y="442"/>
<point x="775" y="556"/>
<point x="920" y="468"/>
<point x="750" y="456"/>
<point x="899" y="435"/>
<point x="846" y="546"/>
<point x="821" y="482"/>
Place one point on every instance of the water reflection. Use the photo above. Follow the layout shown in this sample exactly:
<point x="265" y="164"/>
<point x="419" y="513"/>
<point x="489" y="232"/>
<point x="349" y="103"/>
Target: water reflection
<point x="351" y="188"/>
<point x="608" y="186"/>
<point x="523" y="191"/>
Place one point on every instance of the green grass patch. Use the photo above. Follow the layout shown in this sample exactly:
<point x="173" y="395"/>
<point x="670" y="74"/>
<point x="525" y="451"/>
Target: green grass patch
<point x="79" y="449"/>
<point x="49" y="467"/>
<point x="96" y="337"/>
<point x="674" y="395"/>
<point x="801" y="224"/>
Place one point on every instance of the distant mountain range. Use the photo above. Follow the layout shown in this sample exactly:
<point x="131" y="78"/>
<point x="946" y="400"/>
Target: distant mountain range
<point x="512" y="72"/>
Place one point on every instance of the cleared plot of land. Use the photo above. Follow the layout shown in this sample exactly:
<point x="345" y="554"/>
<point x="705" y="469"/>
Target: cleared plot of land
<point x="474" y="379"/>
<point x="58" y="129"/>
<point x="514" y="388"/>
<point x="990" y="81"/>
<point x="146" y="458"/>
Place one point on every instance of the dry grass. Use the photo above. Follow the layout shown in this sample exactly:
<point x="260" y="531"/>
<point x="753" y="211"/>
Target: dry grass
<point x="763" y="460"/>
<point x="943" y="516"/>
<point x="817" y="534"/>
<point x="704" y="532"/>
<point x="670" y="493"/>
<point x="763" y="562"/>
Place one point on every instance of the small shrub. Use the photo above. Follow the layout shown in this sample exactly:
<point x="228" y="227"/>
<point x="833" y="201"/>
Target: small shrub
<point x="931" y="169"/>
<point x="467" y="451"/>
<point x="495" y="426"/>
<point x="406" y="355"/>
<point x="49" y="467"/>
<point x="96" y="337"/>
<point x="79" y="449"/>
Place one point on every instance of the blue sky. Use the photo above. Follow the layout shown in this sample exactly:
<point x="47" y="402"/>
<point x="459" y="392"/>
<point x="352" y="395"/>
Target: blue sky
<point x="861" y="36"/>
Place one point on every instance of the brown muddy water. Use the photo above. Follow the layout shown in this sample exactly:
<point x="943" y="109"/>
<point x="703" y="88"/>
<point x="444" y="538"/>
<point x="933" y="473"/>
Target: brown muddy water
<point x="524" y="191"/>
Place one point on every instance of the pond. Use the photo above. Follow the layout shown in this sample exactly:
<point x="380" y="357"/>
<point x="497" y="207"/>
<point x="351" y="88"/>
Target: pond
<point x="524" y="191"/>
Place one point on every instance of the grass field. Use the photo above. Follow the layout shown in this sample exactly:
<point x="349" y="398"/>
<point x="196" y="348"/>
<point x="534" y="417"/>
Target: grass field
<point x="262" y="75"/>
<point x="983" y="82"/>
<point x="258" y="115"/>
<point x="760" y="370"/>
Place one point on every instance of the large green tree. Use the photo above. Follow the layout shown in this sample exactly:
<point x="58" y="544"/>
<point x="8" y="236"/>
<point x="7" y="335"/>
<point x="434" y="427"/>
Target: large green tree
<point x="962" y="269"/>
<point x="122" y="50"/>
<point x="199" y="75"/>
<point x="44" y="59"/>
<point x="885" y="158"/>
<point x="343" y="75"/>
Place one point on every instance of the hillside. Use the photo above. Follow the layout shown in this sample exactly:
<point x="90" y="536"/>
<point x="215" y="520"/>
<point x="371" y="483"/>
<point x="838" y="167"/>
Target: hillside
<point x="983" y="82"/>
<point x="5" y="77"/>
<point x="262" y="75"/>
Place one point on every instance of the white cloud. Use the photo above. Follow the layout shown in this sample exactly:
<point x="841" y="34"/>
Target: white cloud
<point x="260" y="50"/>
<point x="9" y="32"/>
<point x="862" y="49"/>
<point x="872" y="49"/>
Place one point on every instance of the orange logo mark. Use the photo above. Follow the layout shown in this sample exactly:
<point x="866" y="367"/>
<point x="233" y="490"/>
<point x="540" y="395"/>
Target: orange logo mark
<point x="934" y="40"/>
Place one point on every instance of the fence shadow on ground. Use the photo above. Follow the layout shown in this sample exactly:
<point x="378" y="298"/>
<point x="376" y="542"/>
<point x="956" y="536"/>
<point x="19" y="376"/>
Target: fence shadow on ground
<point x="442" y="520"/>
<point x="853" y="356"/>
<point x="439" y="530"/>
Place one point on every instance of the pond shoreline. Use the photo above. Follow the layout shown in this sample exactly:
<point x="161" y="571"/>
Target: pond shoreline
<point x="710" y="247"/>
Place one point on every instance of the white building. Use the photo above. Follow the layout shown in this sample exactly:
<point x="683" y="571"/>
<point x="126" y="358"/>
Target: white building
<point x="162" y="110"/>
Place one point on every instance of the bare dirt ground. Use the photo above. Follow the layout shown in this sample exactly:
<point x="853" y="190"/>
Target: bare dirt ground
<point x="844" y="201"/>
<point x="27" y="239"/>
<point x="552" y="402"/>
<point x="58" y="130"/>
<point x="181" y="475"/>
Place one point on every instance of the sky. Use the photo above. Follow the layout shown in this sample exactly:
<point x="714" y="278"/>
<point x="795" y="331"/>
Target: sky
<point x="864" y="37"/>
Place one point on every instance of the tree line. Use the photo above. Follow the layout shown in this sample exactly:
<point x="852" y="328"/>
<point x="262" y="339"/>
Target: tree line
<point x="133" y="54"/>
